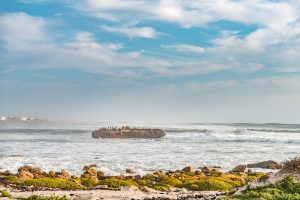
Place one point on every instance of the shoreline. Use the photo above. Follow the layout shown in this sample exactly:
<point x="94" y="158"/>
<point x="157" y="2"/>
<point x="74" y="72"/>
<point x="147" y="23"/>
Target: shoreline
<point x="93" y="184"/>
<point x="187" y="183"/>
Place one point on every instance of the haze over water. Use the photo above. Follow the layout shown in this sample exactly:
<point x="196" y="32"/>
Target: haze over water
<point x="225" y="145"/>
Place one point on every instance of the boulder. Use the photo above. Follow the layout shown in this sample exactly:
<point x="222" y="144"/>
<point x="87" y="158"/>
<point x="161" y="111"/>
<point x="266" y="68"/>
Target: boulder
<point x="159" y="173"/>
<point x="100" y="174"/>
<point x="128" y="133"/>
<point x="89" y="166"/>
<point x="28" y="171"/>
<point x="91" y="174"/>
<point x="239" y="168"/>
<point x="24" y="175"/>
<point x="6" y="173"/>
<point x="198" y="172"/>
<point x="51" y="174"/>
<point x="270" y="164"/>
<point x="130" y="171"/>
<point x="37" y="170"/>
<point x="26" y="168"/>
<point x="62" y="174"/>
<point x="147" y="189"/>
<point x="188" y="169"/>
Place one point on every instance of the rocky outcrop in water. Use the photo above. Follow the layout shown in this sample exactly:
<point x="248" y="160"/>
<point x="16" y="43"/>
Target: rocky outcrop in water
<point x="128" y="133"/>
<point x="270" y="164"/>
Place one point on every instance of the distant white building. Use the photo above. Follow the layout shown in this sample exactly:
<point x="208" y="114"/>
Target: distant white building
<point x="3" y="118"/>
<point x="24" y="118"/>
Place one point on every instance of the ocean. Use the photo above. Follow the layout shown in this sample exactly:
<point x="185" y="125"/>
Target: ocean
<point x="224" y="145"/>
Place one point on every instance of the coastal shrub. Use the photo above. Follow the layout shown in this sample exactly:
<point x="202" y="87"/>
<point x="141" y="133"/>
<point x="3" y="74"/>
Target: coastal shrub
<point x="88" y="182"/>
<point x="172" y="181"/>
<point x="53" y="197"/>
<point x="215" y="173"/>
<point x="287" y="189"/>
<point x="52" y="183"/>
<point x="5" y="193"/>
<point x="292" y="165"/>
<point x="148" y="177"/>
<point x="12" y="179"/>
<point x="255" y="176"/>
<point x="116" y="183"/>
<point x="213" y="184"/>
<point x="161" y="187"/>
<point x="145" y="182"/>
<point x="233" y="180"/>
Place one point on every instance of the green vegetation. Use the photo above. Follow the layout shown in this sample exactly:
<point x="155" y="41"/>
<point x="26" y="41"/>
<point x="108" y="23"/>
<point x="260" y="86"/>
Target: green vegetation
<point x="116" y="182"/>
<point x="292" y="165"/>
<point x="11" y="179"/>
<point x="208" y="180"/>
<point x="5" y="193"/>
<point x="36" y="197"/>
<point x="88" y="182"/>
<point x="52" y="183"/>
<point x="287" y="189"/>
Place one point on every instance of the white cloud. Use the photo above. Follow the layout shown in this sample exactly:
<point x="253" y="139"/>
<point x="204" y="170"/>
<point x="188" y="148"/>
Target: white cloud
<point x="19" y="29"/>
<point x="184" y="48"/>
<point x="274" y="42"/>
<point x="38" y="47"/>
<point x="273" y="14"/>
<point x="132" y="32"/>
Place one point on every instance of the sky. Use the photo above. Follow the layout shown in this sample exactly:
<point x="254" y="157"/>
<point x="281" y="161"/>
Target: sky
<point x="155" y="61"/>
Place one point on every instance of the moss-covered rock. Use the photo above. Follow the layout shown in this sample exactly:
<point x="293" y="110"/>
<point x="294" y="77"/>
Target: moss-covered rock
<point x="51" y="183"/>
<point x="88" y="182"/>
<point x="116" y="183"/>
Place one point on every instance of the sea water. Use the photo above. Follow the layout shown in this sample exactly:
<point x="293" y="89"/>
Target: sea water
<point x="224" y="145"/>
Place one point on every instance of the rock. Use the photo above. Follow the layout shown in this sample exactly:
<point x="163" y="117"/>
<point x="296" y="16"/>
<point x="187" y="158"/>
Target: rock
<point x="147" y="189"/>
<point x="239" y="168"/>
<point x="24" y="175"/>
<point x="37" y="170"/>
<point x="6" y="173"/>
<point x="51" y="174"/>
<point x="89" y="167"/>
<point x="62" y="174"/>
<point x="38" y="176"/>
<point x="270" y="164"/>
<point x="45" y="174"/>
<point x="26" y="168"/>
<point x="91" y="174"/>
<point x="178" y="171"/>
<point x="26" y="172"/>
<point x="188" y="169"/>
<point x="100" y="174"/>
<point x="159" y="173"/>
<point x="206" y="170"/>
<point x="103" y="187"/>
<point x="130" y="171"/>
<point x="198" y="172"/>
<point x="128" y="133"/>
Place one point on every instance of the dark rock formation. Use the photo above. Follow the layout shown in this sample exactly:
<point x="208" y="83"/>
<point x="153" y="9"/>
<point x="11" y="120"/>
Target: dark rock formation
<point x="239" y="168"/>
<point x="270" y="164"/>
<point x="128" y="133"/>
<point x="188" y="169"/>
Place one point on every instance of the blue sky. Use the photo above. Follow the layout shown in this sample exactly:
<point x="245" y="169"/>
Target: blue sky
<point x="151" y="60"/>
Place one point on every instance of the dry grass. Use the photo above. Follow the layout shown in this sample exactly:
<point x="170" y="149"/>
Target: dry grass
<point x="292" y="165"/>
